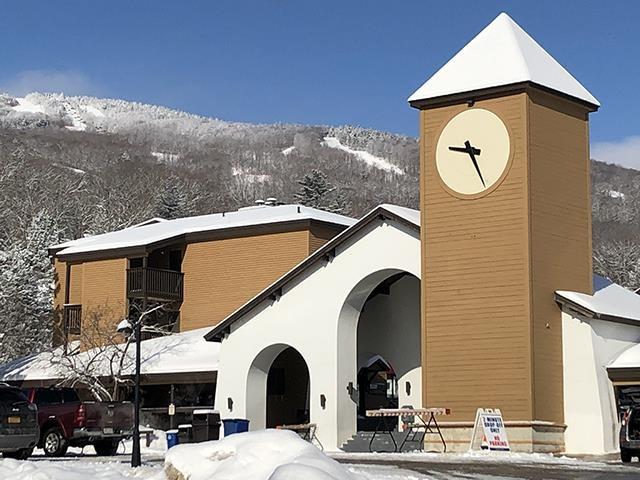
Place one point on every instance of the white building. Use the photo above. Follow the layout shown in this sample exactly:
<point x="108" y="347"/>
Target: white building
<point x="354" y="307"/>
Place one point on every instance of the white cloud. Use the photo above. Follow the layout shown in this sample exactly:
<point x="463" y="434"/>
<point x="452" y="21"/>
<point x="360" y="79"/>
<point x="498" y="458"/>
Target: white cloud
<point x="67" y="82"/>
<point x="626" y="152"/>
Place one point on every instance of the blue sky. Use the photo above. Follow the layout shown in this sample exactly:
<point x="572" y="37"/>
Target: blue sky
<point x="329" y="62"/>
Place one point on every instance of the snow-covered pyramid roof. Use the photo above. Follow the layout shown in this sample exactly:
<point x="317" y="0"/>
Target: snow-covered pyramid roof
<point x="501" y="54"/>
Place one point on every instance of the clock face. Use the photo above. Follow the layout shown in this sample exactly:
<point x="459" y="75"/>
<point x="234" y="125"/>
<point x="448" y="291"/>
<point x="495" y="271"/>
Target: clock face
<point x="473" y="152"/>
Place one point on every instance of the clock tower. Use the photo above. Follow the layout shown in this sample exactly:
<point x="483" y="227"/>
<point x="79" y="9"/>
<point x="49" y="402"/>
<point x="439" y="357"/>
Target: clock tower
<point x="506" y="221"/>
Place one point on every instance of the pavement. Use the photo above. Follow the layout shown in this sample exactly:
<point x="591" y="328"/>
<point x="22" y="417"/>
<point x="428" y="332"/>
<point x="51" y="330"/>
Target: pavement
<point x="463" y="467"/>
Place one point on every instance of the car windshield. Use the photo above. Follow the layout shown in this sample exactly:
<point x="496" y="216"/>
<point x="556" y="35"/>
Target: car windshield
<point x="12" y="396"/>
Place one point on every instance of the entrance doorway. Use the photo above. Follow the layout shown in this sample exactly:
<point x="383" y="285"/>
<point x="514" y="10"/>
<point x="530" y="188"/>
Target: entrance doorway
<point x="377" y="388"/>
<point x="287" y="390"/>
<point x="389" y="348"/>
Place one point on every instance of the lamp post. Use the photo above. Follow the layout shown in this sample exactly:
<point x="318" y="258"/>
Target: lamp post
<point x="124" y="327"/>
<point x="135" y="451"/>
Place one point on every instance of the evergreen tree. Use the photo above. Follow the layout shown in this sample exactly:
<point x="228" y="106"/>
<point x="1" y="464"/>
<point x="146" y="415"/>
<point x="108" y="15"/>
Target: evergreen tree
<point x="173" y="200"/>
<point x="316" y="191"/>
<point x="26" y="290"/>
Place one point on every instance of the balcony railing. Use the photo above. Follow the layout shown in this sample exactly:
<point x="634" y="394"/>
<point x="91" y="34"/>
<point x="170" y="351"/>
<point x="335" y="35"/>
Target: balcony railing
<point x="73" y="319"/>
<point x="154" y="283"/>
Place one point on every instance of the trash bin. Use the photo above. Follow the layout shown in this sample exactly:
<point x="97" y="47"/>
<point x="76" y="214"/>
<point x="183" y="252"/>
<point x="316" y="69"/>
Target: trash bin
<point x="206" y="425"/>
<point x="235" y="425"/>
<point x="172" y="438"/>
<point x="185" y="433"/>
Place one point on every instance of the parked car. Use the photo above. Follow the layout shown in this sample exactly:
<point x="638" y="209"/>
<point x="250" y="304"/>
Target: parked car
<point x="66" y="421"/>
<point x="630" y="434"/>
<point x="19" y="430"/>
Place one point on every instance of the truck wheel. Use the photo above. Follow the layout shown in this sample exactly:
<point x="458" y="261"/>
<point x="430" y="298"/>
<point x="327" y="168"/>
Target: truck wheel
<point x="106" y="448"/>
<point x="625" y="455"/>
<point x="21" y="454"/>
<point x="53" y="443"/>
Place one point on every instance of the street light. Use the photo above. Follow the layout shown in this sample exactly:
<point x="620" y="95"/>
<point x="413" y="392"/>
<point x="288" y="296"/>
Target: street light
<point x="125" y="327"/>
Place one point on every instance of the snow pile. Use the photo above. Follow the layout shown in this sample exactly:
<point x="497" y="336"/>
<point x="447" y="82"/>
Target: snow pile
<point x="366" y="157"/>
<point x="72" y="470"/>
<point x="263" y="455"/>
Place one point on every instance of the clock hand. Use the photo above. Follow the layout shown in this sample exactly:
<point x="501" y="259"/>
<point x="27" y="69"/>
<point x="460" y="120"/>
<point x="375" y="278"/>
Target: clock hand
<point x="472" y="153"/>
<point x="476" y="151"/>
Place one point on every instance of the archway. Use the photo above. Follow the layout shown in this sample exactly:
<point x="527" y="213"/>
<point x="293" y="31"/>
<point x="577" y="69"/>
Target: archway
<point x="380" y="333"/>
<point x="389" y="346"/>
<point x="278" y="387"/>
<point x="288" y="390"/>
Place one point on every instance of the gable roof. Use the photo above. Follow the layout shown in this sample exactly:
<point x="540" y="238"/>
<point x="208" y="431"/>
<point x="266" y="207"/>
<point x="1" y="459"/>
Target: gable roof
<point x="403" y="215"/>
<point x="609" y="301"/>
<point x="146" y="234"/>
<point x="502" y="54"/>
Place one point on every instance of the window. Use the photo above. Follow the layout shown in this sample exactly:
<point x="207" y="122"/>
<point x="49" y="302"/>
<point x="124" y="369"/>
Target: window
<point x="48" y="396"/>
<point x="69" y="395"/>
<point x="12" y="396"/>
<point x="135" y="262"/>
<point x="275" y="381"/>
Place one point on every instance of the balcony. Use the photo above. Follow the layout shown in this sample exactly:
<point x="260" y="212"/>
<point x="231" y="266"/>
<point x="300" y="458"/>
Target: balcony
<point x="72" y="319"/>
<point x="154" y="284"/>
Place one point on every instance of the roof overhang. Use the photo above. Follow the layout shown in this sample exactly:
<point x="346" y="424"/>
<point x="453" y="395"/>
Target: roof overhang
<point x="569" y="304"/>
<point x="473" y="96"/>
<point x="193" y="237"/>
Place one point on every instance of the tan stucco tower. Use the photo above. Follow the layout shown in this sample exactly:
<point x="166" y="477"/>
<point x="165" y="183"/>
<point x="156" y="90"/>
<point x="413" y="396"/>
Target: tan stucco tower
<point x="505" y="222"/>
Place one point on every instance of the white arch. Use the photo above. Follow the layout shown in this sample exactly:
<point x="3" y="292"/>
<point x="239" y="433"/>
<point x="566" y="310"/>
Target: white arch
<point x="347" y="351"/>
<point x="256" y="390"/>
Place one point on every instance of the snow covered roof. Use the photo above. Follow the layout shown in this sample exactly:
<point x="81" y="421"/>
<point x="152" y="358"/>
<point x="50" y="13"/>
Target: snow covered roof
<point x="185" y="352"/>
<point x="609" y="301"/>
<point x="404" y="215"/>
<point x="630" y="358"/>
<point x="501" y="54"/>
<point x="150" y="233"/>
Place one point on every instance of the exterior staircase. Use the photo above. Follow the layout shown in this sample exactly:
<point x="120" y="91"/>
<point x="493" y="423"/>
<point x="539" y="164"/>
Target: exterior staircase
<point x="382" y="443"/>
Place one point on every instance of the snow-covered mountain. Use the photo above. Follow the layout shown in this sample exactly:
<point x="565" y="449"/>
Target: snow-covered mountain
<point x="166" y="129"/>
<point x="96" y="164"/>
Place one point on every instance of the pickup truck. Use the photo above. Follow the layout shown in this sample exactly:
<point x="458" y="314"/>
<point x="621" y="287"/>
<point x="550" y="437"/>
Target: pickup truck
<point x="66" y="421"/>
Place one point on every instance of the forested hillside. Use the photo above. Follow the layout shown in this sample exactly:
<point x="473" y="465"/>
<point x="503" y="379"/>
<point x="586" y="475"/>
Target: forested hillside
<point x="74" y="166"/>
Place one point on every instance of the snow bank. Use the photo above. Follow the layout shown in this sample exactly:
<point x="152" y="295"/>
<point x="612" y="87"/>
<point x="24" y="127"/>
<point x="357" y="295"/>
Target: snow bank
<point x="74" y="470"/>
<point x="263" y="455"/>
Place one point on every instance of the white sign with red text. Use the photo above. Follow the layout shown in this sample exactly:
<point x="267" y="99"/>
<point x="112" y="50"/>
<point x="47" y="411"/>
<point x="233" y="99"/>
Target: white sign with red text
<point x="489" y="422"/>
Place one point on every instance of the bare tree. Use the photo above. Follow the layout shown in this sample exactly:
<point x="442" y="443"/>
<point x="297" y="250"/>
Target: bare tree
<point x="100" y="358"/>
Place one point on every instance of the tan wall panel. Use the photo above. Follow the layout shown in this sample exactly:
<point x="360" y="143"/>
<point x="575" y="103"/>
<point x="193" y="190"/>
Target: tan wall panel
<point x="476" y="324"/>
<point x="104" y="299"/>
<point x="75" y="283"/>
<point x="560" y="235"/>
<point x="222" y="275"/>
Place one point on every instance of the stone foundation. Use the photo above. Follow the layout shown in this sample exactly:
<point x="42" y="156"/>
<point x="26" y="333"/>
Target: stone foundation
<point x="529" y="437"/>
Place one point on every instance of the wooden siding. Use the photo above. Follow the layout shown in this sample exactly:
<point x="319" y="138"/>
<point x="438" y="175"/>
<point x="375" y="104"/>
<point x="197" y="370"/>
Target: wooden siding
<point x="560" y="216"/>
<point x="75" y="283"/>
<point x="104" y="301"/>
<point x="319" y="234"/>
<point x="222" y="275"/>
<point x="475" y="280"/>
<point x="492" y="330"/>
